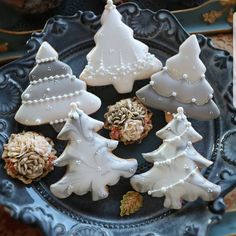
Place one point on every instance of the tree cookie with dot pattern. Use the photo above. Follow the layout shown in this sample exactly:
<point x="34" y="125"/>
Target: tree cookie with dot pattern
<point x="182" y="82"/>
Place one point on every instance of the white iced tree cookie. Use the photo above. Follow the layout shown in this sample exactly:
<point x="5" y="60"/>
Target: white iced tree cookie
<point x="91" y="165"/>
<point x="52" y="89"/>
<point x="118" y="58"/>
<point x="175" y="174"/>
<point x="182" y="83"/>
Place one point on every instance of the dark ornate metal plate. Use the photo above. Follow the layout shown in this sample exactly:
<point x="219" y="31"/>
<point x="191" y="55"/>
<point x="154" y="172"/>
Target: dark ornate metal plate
<point x="73" y="38"/>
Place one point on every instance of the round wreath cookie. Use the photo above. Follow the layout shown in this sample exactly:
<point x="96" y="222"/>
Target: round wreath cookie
<point x="128" y="120"/>
<point x="28" y="156"/>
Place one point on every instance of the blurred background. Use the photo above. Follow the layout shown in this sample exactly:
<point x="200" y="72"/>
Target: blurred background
<point x="20" y="18"/>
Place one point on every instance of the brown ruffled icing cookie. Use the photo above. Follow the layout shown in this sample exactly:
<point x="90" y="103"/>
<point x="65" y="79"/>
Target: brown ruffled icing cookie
<point x="28" y="156"/>
<point x="128" y="120"/>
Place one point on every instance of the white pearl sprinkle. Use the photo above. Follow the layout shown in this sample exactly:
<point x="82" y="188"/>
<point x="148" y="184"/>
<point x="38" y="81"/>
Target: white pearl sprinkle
<point x="48" y="89"/>
<point x="78" y="162"/>
<point x="174" y="94"/>
<point x="193" y="99"/>
<point x="168" y="162"/>
<point x="38" y="121"/>
<point x="210" y="190"/>
<point x="151" y="82"/>
<point x="186" y="167"/>
<point x="203" y="76"/>
<point x="185" y="76"/>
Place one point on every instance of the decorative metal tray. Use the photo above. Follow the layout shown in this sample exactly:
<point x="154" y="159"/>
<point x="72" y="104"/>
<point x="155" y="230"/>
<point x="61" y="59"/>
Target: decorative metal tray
<point x="73" y="39"/>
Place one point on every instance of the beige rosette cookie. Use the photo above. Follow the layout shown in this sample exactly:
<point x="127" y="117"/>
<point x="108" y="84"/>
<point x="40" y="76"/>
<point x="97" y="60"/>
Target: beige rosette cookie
<point x="28" y="156"/>
<point x="128" y="120"/>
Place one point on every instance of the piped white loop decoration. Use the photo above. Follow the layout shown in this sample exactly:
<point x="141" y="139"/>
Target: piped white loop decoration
<point x="127" y="63"/>
<point x="91" y="164"/>
<point x="175" y="173"/>
<point x="53" y="98"/>
<point x="181" y="181"/>
<point x="46" y="79"/>
<point x="46" y="60"/>
<point x="49" y="95"/>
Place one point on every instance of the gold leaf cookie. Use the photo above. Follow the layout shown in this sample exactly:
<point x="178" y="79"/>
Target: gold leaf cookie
<point x="132" y="201"/>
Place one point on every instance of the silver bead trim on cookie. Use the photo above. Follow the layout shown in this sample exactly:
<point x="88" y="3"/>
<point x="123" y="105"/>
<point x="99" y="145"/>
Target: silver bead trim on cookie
<point x="181" y="181"/>
<point x="53" y="98"/>
<point x="51" y="78"/>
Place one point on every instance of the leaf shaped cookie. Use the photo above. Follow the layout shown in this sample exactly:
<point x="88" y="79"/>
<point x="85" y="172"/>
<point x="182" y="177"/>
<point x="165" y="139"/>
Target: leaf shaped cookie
<point x="132" y="201"/>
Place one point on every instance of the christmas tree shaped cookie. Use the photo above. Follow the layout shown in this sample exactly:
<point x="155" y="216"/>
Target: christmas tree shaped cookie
<point x="175" y="174"/>
<point x="118" y="58"/>
<point x="182" y="83"/>
<point x="52" y="89"/>
<point x="91" y="166"/>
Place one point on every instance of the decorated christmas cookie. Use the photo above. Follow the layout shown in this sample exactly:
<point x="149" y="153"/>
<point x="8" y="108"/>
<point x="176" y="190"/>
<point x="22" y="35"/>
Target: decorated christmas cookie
<point x="91" y="166"/>
<point x="28" y="156"/>
<point x="182" y="82"/>
<point x="175" y="173"/>
<point x="129" y="121"/>
<point x="118" y="58"/>
<point x="52" y="88"/>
